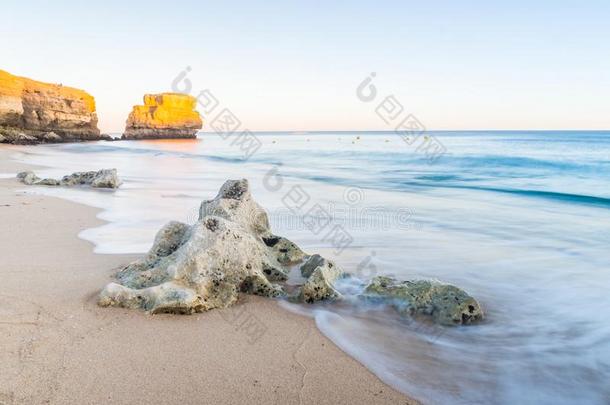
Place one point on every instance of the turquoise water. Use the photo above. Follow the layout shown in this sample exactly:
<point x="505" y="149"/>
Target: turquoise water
<point x="521" y="220"/>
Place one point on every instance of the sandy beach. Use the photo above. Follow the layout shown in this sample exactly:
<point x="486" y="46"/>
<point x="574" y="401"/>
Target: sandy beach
<point x="58" y="347"/>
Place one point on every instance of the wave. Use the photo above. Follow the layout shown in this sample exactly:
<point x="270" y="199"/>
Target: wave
<point x="520" y="162"/>
<point x="131" y="149"/>
<point x="551" y="195"/>
<point x="439" y="182"/>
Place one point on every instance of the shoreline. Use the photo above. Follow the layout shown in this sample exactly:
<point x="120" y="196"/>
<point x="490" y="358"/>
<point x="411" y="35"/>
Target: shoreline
<point x="54" y="334"/>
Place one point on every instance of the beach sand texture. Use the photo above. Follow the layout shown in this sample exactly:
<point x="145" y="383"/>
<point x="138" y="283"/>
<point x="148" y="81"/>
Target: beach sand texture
<point x="58" y="347"/>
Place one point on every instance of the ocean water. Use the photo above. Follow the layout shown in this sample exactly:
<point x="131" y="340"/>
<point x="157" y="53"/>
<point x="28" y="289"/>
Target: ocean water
<point x="521" y="220"/>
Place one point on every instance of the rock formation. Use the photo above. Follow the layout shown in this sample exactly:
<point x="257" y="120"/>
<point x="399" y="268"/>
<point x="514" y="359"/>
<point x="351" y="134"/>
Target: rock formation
<point x="166" y="115"/>
<point x="231" y="250"/>
<point x="105" y="178"/>
<point x="204" y="266"/>
<point x="321" y="276"/>
<point x="446" y="304"/>
<point x="34" y="112"/>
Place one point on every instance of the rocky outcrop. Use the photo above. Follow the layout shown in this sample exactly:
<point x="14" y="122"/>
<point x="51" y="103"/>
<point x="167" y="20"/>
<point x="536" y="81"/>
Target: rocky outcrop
<point x="446" y="304"/>
<point x="165" y="115"/>
<point x="204" y="266"/>
<point x="105" y="178"/>
<point x="231" y="250"/>
<point x="34" y="112"/>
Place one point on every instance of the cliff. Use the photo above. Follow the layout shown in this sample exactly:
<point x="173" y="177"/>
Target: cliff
<point x="166" y="115"/>
<point x="33" y="112"/>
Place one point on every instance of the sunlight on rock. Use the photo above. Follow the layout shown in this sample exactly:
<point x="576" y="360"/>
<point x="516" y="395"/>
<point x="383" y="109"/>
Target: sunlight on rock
<point x="166" y="115"/>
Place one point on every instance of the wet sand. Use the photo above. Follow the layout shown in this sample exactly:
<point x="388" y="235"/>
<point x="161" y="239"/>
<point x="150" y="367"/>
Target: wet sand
<point x="58" y="347"/>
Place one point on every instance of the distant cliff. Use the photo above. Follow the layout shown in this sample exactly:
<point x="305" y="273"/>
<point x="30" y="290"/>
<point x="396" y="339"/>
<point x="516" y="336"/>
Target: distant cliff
<point x="166" y="115"/>
<point x="33" y="112"/>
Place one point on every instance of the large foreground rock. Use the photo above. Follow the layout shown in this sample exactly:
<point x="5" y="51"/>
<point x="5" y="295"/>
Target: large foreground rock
<point x="166" y="115"/>
<point x="34" y="112"/>
<point x="231" y="250"/>
<point x="105" y="178"/>
<point x="446" y="304"/>
<point x="204" y="266"/>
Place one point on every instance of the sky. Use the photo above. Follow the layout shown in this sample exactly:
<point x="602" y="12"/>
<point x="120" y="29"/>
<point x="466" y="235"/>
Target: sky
<point x="297" y="65"/>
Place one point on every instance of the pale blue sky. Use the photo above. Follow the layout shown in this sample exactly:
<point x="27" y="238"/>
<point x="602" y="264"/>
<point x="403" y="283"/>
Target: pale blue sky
<point x="296" y="65"/>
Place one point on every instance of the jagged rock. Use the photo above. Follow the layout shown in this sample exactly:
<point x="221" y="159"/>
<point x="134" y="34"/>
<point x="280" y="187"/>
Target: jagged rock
<point x="310" y="265"/>
<point x="166" y="115"/>
<point x="28" y="177"/>
<point x="446" y="304"/>
<point x="3" y="139"/>
<point x="204" y="266"/>
<point x="33" y="109"/>
<point x="235" y="203"/>
<point x="105" y="178"/>
<point x="9" y="135"/>
<point x="321" y="277"/>
<point x="287" y="252"/>
<point x="51" y="137"/>
<point x="23" y="139"/>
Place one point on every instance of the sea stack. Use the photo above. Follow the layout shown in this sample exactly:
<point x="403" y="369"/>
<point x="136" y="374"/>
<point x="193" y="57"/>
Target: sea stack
<point x="36" y="112"/>
<point x="165" y="115"/>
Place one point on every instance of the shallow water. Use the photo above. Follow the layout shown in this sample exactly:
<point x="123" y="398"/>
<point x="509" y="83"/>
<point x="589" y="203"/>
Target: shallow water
<point x="521" y="220"/>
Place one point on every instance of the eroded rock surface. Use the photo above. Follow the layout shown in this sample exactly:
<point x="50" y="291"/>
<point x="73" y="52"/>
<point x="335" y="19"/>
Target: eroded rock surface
<point x="105" y="178"/>
<point x="33" y="112"/>
<point x="321" y="276"/>
<point x="165" y="115"/>
<point x="28" y="178"/>
<point x="204" y="266"/>
<point x="231" y="250"/>
<point x="446" y="304"/>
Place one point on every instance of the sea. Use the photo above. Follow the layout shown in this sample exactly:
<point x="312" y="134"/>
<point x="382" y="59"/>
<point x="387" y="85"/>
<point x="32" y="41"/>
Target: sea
<point x="518" y="219"/>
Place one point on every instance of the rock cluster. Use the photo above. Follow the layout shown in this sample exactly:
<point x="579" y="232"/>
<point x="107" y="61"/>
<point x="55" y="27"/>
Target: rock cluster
<point x="231" y="250"/>
<point x="35" y="112"/>
<point x="166" y="115"/>
<point x="105" y="178"/>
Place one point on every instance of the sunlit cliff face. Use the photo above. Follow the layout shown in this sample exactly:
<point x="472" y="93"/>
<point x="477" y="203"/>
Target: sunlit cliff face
<point x="35" y="108"/>
<point x="15" y="88"/>
<point x="166" y="111"/>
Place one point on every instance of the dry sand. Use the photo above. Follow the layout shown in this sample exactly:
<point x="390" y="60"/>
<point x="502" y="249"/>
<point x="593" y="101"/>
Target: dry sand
<point x="57" y="346"/>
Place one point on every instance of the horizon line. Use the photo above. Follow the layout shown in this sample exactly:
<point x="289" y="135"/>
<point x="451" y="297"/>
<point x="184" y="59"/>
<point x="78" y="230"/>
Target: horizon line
<point x="385" y="131"/>
<point x="297" y="131"/>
